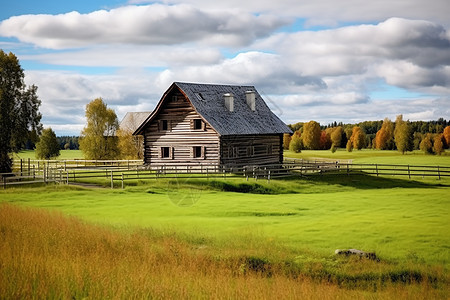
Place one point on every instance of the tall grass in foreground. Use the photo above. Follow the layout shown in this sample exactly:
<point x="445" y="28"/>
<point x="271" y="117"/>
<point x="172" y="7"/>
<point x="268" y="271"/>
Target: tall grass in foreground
<point x="48" y="255"/>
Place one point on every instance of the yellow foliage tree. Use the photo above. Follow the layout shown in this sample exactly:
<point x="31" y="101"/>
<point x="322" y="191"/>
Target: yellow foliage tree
<point x="358" y="138"/>
<point x="384" y="138"/>
<point x="98" y="140"/>
<point x="446" y="135"/>
<point x="311" y="135"/>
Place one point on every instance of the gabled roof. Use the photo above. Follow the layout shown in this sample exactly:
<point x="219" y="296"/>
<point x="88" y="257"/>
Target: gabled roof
<point x="132" y="120"/>
<point x="208" y="102"/>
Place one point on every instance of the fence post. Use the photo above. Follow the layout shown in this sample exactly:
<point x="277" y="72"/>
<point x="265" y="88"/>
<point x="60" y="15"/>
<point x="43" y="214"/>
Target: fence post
<point x="122" y="181"/>
<point x="348" y="169"/>
<point x="67" y="177"/>
<point x="29" y="167"/>
<point x="409" y="173"/>
<point x="112" y="182"/>
<point x="268" y="177"/>
<point x="43" y="173"/>
<point x="21" y="167"/>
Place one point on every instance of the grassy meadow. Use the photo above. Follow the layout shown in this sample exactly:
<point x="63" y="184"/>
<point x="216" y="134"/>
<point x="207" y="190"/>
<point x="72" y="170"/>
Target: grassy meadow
<point x="231" y="238"/>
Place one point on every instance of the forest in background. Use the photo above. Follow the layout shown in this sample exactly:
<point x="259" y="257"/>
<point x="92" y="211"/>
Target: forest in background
<point x="430" y="136"/>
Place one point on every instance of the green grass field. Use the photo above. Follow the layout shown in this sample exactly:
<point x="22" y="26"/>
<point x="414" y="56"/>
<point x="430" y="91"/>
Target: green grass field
<point x="64" y="154"/>
<point x="376" y="157"/>
<point x="298" y="222"/>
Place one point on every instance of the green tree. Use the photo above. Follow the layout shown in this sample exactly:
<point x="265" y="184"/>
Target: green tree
<point x="358" y="138"/>
<point x="98" y="140"/>
<point x="19" y="109"/>
<point x="311" y="135"/>
<point x="403" y="135"/>
<point x="296" y="144"/>
<point x="48" y="146"/>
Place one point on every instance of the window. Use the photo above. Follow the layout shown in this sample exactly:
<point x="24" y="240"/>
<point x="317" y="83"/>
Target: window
<point x="198" y="124"/>
<point x="174" y="98"/>
<point x="163" y="125"/>
<point x="165" y="152"/>
<point x="198" y="152"/>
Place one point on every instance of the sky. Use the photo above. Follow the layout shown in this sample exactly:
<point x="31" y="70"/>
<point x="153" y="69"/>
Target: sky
<point x="324" y="60"/>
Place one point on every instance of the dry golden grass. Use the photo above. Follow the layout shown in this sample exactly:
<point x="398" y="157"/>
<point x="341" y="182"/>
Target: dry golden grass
<point x="52" y="256"/>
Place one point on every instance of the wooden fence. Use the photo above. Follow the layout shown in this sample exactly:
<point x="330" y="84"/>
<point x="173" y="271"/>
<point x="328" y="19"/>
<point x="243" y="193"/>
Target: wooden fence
<point x="119" y="171"/>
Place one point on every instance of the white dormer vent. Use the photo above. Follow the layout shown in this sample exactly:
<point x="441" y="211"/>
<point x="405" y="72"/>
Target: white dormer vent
<point x="229" y="101"/>
<point x="250" y="97"/>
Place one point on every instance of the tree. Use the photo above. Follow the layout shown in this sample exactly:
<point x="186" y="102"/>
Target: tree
<point x="403" y="135"/>
<point x="426" y="145"/>
<point x="286" y="141"/>
<point x="311" y="135"/>
<point x="296" y="144"/>
<point x="98" y="140"/>
<point x="19" y="109"/>
<point x="384" y="139"/>
<point x="438" y="144"/>
<point x="349" y="146"/>
<point x="446" y="135"/>
<point x="358" y="138"/>
<point x="325" y="141"/>
<point x="48" y="145"/>
<point x="336" y="136"/>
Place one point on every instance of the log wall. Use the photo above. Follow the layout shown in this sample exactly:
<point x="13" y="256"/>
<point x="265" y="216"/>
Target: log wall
<point x="180" y="136"/>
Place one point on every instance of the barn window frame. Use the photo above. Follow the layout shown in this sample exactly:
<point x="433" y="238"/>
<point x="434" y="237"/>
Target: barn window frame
<point x="198" y="124"/>
<point x="198" y="152"/>
<point x="166" y="152"/>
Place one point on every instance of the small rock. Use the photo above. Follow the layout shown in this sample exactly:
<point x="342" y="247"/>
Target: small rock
<point x="360" y="253"/>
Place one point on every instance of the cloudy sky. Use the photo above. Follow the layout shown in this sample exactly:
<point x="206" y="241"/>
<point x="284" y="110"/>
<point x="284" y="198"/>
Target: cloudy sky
<point x="323" y="60"/>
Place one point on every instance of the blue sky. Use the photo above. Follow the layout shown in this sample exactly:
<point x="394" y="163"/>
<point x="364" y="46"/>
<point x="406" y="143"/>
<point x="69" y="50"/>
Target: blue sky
<point x="323" y="60"/>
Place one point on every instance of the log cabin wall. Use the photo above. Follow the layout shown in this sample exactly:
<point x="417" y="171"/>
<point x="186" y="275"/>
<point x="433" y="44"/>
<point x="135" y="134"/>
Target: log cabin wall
<point x="179" y="136"/>
<point x="244" y="150"/>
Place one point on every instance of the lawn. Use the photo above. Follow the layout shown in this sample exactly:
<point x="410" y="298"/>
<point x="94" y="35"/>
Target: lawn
<point x="223" y="237"/>
<point x="397" y="219"/>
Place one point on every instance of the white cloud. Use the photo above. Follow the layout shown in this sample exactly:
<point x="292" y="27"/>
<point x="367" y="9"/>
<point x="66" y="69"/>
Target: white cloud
<point x="130" y="56"/>
<point x="331" y="12"/>
<point x="141" y="25"/>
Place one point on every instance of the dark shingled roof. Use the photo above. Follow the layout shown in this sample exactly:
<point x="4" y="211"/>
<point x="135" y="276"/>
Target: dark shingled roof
<point x="208" y="101"/>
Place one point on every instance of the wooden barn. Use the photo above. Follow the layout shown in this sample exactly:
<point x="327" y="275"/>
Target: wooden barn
<point x="214" y="125"/>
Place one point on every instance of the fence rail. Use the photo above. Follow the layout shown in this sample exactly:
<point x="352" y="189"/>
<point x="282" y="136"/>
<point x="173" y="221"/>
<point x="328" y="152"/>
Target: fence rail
<point x="119" y="171"/>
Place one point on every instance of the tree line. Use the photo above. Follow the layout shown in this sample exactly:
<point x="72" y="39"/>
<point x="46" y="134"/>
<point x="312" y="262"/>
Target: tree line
<point x="432" y="137"/>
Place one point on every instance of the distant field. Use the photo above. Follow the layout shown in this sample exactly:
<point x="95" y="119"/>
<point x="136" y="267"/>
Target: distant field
<point x="64" y="154"/>
<point x="376" y="156"/>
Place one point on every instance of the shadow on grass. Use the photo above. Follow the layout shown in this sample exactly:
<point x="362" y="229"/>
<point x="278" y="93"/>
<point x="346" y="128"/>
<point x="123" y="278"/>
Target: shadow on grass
<point x="365" y="181"/>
